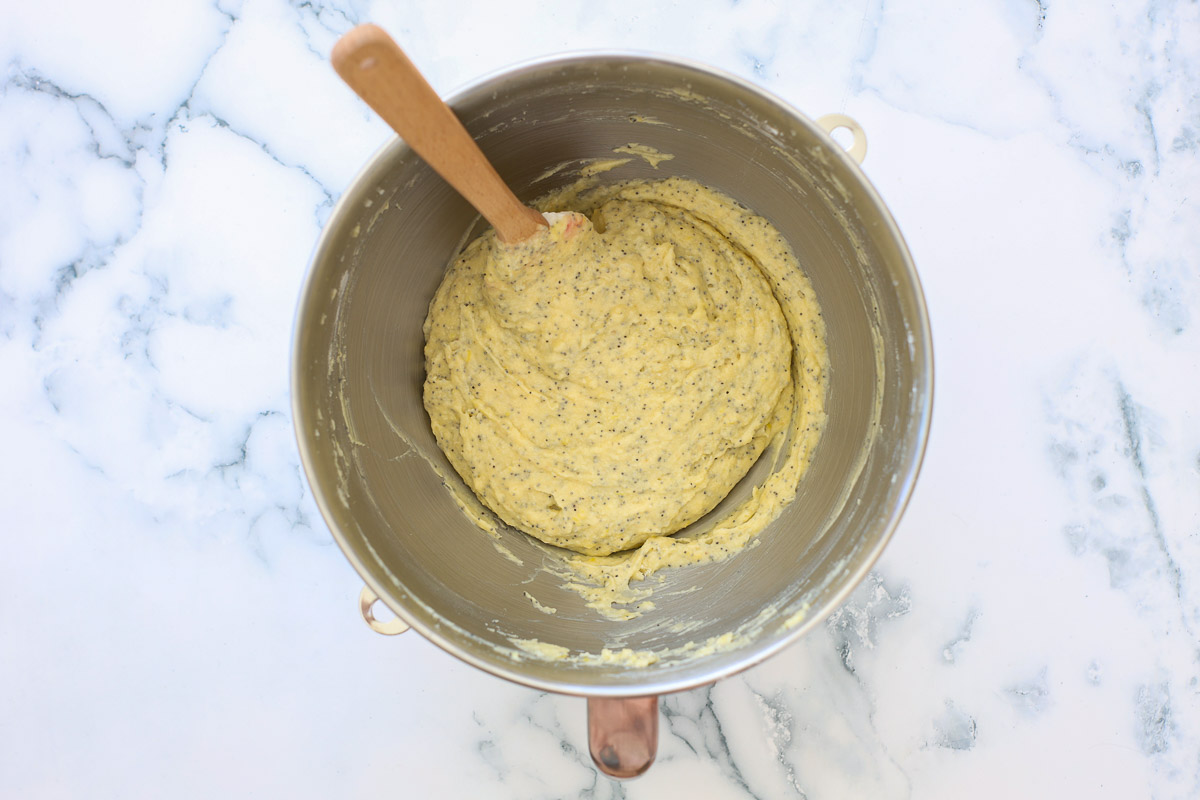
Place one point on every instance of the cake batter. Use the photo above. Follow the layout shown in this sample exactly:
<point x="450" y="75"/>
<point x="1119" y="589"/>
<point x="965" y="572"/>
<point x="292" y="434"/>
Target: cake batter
<point x="606" y="383"/>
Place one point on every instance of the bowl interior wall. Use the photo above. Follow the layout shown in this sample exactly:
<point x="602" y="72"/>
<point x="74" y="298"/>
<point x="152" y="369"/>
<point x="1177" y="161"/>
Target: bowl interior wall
<point x="372" y="456"/>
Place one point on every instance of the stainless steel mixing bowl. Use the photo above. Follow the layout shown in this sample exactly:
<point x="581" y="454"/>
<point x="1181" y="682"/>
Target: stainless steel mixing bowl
<point x="377" y="473"/>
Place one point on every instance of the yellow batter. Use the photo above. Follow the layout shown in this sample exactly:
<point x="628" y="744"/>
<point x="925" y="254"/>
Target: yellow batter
<point x="607" y="383"/>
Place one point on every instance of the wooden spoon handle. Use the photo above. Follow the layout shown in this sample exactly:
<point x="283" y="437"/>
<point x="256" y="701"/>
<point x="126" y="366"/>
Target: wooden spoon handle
<point x="376" y="68"/>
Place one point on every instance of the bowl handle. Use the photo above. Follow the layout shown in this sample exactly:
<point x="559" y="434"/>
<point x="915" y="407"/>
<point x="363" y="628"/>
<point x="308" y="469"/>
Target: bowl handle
<point x="366" y="602"/>
<point x="623" y="734"/>
<point x="831" y="122"/>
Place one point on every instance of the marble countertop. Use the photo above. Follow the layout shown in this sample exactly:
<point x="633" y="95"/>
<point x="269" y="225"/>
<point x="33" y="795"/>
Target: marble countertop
<point x="176" y="621"/>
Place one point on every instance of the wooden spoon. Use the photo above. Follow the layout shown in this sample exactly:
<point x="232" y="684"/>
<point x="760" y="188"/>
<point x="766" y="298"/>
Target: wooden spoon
<point x="376" y="68"/>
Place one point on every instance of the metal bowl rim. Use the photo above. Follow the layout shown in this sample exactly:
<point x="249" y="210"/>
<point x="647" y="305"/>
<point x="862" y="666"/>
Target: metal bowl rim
<point x="924" y="371"/>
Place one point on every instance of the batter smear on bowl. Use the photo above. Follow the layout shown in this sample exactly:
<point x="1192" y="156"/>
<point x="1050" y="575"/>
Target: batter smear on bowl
<point x="606" y="383"/>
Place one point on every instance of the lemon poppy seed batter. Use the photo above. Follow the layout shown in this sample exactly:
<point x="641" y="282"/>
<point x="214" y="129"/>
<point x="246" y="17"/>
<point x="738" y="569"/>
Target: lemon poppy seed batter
<point x="606" y="383"/>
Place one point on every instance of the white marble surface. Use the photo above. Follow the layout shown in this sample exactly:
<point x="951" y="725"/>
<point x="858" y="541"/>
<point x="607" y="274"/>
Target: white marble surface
<point x="175" y="620"/>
